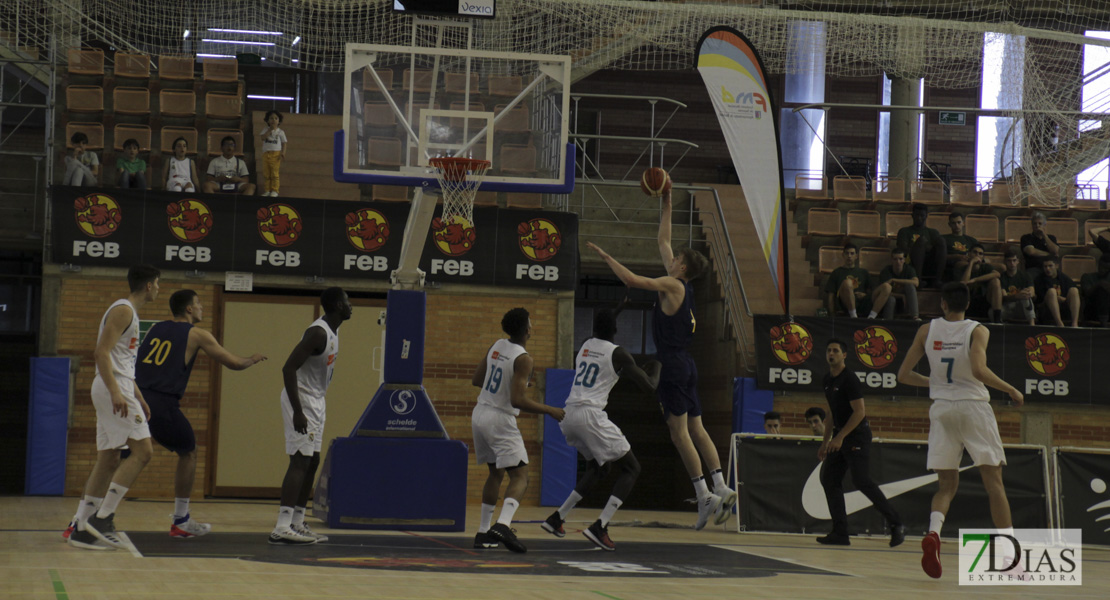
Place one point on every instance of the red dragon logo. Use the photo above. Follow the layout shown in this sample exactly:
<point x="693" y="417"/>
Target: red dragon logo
<point x="791" y="343"/>
<point x="539" y="239"/>
<point x="367" y="229"/>
<point x="455" y="237"/>
<point x="279" y="224"/>
<point x="189" y="220"/>
<point x="97" y="215"/>
<point x="1047" y="353"/>
<point x="876" y="346"/>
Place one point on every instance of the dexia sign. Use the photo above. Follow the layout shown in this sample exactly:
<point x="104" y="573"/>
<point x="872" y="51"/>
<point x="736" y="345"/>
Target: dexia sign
<point x="1025" y="557"/>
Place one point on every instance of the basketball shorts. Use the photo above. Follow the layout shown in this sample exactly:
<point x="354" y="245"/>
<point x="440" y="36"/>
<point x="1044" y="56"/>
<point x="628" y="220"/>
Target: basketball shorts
<point x="1018" y="310"/>
<point x="112" y="429"/>
<point x="497" y="440"/>
<point x="955" y="425"/>
<point x="589" y="430"/>
<point x="168" y="425"/>
<point x="312" y="440"/>
<point x="678" y="385"/>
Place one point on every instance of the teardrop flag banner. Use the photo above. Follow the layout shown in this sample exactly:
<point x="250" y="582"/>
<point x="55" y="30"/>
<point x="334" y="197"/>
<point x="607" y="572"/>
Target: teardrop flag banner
<point x="735" y="79"/>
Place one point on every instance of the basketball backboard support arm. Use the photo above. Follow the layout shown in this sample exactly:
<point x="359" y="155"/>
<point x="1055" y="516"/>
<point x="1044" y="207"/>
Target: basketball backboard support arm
<point x="407" y="275"/>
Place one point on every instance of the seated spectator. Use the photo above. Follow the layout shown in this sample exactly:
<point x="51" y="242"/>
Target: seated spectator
<point x="180" y="171"/>
<point x="772" y="421"/>
<point x="1017" y="291"/>
<point x="1056" y="295"/>
<point x="983" y="282"/>
<point x="848" y="287"/>
<point x="83" y="167"/>
<point x="898" y="280"/>
<point x="227" y="173"/>
<point x="130" y="169"/>
<point x="1100" y="237"/>
<point x="1095" y="289"/>
<point x="1038" y="245"/>
<point x="815" y="416"/>
<point x="956" y="246"/>
<point x="924" y="247"/>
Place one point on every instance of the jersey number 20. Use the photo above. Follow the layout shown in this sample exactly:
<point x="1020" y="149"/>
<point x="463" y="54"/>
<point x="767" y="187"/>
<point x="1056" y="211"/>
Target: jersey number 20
<point x="587" y="374"/>
<point x="159" y="351"/>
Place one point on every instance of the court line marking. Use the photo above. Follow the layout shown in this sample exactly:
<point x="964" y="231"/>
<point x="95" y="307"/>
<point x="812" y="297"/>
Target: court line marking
<point x="59" y="587"/>
<point x="441" y="542"/>
<point x="789" y="560"/>
<point x="604" y="594"/>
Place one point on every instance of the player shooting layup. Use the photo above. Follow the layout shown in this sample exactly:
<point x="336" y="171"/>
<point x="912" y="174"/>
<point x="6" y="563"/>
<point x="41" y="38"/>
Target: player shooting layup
<point x="673" y="329"/>
<point x="961" y="415"/>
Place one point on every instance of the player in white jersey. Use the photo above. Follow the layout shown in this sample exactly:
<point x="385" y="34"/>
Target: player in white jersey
<point x="121" y="415"/>
<point x="504" y="375"/>
<point x="600" y="363"/>
<point x="960" y="417"/>
<point x="307" y="373"/>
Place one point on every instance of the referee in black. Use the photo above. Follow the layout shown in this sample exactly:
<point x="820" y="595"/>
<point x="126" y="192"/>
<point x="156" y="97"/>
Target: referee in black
<point x="847" y="446"/>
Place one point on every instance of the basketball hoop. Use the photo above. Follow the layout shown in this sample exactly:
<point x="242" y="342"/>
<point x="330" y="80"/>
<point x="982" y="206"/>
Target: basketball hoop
<point x="459" y="179"/>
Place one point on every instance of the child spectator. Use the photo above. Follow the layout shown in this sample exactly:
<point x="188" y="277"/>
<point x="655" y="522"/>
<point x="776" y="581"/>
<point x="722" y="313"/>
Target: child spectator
<point x="180" y="172"/>
<point x="130" y="169"/>
<point x="273" y="152"/>
<point x="83" y="167"/>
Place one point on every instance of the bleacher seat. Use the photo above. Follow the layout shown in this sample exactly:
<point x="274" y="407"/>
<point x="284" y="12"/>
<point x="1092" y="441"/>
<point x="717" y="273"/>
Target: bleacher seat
<point x="125" y="131"/>
<point x="938" y="221"/>
<point x="517" y="159"/>
<point x="1075" y="266"/>
<point x="927" y="191"/>
<point x="864" y="223"/>
<point x="216" y="134"/>
<point x="823" y="221"/>
<point x="474" y="125"/>
<point x="169" y="134"/>
<point x="483" y="198"/>
<point x="965" y="193"/>
<point x="874" y="259"/>
<point x="809" y="186"/>
<point x="94" y="131"/>
<point x="176" y="68"/>
<point x="378" y="114"/>
<point x="982" y="227"/>
<point x="523" y="200"/>
<point x="222" y="105"/>
<point x="1090" y="224"/>
<point x="390" y="193"/>
<point x="177" y="103"/>
<point x="1084" y="198"/>
<point x="131" y="101"/>
<point x="417" y="108"/>
<point x="369" y="85"/>
<point x="517" y="121"/>
<point x="1015" y="227"/>
<point x="996" y="260"/>
<point x="384" y="152"/>
<point x="999" y="194"/>
<point x="829" y="258"/>
<point x="506" y="86"/>
<point x="889" y="191"/>
<point x="1066" y="230"/>
<point x="849" y="188"/>
<point x="896" y="220"/>
<point x="419" y="80"/>
<point x="84" y="98"/>
<point x="1048" y="196"/>
<point x="85" y="61"/>
<point x="131" y="65"/>
<point x="455" y="83"/>
<point x="220" y="70"/>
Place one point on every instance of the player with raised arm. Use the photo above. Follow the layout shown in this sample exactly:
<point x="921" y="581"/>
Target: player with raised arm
<point x="961" y="415"/>
<point x="503" y="375"/>
<point x="121" y="416"/>
<point x="600" y="363"/>
<point x="672" y="330"/>
<point x="306" y="374"/>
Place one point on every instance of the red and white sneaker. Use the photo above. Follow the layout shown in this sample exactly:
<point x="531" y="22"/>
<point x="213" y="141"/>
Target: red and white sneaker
<point x="930" y="555"/>
<point x="189" y="528"/>
<point x="69" y="530"/>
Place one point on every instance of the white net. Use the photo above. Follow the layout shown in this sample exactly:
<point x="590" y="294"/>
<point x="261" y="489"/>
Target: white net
<point x="940" y="41"/>
<point x="459" y="179"/>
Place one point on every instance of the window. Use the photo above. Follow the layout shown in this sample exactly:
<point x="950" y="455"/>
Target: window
<point x="801" y="133"/>
<point x="1000" y="139"/>
<point x="1096" y="98"/>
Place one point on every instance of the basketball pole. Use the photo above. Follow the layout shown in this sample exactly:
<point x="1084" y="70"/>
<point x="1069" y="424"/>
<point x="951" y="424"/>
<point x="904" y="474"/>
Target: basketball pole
<point x="407" y="275"/>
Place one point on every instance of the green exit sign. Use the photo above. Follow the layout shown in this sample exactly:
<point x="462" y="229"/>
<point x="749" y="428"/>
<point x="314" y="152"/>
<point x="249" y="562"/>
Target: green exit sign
<point x="948" y="117"/>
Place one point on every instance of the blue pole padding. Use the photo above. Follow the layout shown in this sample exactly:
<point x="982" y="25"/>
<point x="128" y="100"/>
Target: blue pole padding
<point x="48" y="415"/>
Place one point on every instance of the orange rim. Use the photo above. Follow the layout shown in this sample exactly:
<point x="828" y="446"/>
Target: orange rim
<point x="456" y="168"/>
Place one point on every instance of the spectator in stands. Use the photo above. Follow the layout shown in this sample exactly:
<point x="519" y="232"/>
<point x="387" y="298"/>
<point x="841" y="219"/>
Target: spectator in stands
<point x="227" y="173"/>
<point x="772" y="421"/>
<point x="848" y="288"/>
<point x="1057" y="294"/>
<point x="180" y="171"/>
<point x="1038" y="245"/>
<point x="130" y="169"/>
<point x="983" y="281"/>
<point x="273" y="152"/>
<point x="1095" y="289"/>
<point x="924" y="246"/>
<point x="83" y="167"/>
<point x="956" y="245"/>
<point x="815" y="416"/>
<point x="897" y="279"/>
<point x="1017" y="291"/>
<point x="1100" y="237"/>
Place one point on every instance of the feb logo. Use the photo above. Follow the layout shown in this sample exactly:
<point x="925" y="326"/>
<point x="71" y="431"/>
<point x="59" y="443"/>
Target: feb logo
<point x="539" y="239"/>
<point x="279" y="224"/>
<point x="1047" y="353"/>
<point x="367" y="229"/>
<point x="454" y="237"/>
<point x="189" y="220"/>
<point x="97" y="215"/>
<point x="876" y="346"/>
<point x="791" y="343"/>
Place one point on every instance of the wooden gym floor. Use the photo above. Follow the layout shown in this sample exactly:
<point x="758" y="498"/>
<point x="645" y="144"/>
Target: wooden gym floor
<point x="658" y="556"/>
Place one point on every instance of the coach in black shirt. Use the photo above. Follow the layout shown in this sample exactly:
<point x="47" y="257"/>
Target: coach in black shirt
<point x="847" y="446"/>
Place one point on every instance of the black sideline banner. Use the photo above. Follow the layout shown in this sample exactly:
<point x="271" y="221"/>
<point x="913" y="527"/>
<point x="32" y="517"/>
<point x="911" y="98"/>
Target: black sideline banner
<point x="1083" y="478"/>
<point x="297" y="236"/>
<point x="780" y="488"/>
<point x="1048" y="364"/>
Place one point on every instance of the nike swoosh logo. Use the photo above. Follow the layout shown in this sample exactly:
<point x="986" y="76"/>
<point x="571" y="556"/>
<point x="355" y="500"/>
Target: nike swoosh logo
<point x="816" y="506"/>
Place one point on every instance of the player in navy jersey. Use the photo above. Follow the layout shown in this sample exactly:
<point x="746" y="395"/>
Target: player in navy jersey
<point x="164" y="363"/>
<point x="672" y="329"/>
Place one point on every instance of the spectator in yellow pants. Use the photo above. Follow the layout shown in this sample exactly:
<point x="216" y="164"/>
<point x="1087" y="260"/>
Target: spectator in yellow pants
<point x="273" y="152"/>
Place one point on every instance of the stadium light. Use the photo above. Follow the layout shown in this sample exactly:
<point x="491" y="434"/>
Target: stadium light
<point x="286" y="98"/>
<point x="244" y="42"/>
<point x="186" y="36"/>
<point x="295" y="40"/>
<point x="215" y="56"/>
<point x="246" y="31"/>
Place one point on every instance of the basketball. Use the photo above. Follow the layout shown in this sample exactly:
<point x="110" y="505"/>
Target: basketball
<point x="351" y="219"/>
<point x="523" y="229"/>
<point x="173" y="209"/>
<point x="655" y="182"/>
<point x="263" y="214"/>
<point x="1031" y="344"/>
<point x="775" y="333"/>
<point x="80" y="203"/>
<point x="860" y="336"/>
